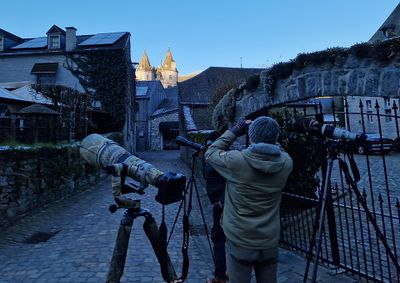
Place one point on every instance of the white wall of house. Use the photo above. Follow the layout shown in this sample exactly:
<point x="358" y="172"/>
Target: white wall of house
<point x="18" y="69"/>
<point x="386" y="112"/>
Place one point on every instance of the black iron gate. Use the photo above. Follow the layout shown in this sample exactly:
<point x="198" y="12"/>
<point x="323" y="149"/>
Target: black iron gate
<point x="363" y="240"/>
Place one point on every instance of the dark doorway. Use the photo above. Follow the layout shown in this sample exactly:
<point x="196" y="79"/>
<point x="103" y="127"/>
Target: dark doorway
<point x="169" y="132"/>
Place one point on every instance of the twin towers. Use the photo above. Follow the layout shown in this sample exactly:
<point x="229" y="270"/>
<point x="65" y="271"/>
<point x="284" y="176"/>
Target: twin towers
<point x="166" y="73"/>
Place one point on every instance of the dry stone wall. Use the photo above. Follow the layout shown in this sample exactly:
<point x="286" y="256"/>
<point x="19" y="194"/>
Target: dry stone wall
<point x="32" y="177"/>
<point x="155" y="135"/>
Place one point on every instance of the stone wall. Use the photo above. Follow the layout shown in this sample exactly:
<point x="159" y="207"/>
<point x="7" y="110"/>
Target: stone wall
<point x="32" y="177"/>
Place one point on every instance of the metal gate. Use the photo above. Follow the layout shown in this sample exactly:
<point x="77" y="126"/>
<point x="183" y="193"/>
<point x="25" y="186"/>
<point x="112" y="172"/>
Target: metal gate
<point x="361" y="233"/>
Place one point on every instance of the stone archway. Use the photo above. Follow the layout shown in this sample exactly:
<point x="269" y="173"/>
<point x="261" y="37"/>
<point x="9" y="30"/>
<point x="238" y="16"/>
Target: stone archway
<point x="362" y="70"/>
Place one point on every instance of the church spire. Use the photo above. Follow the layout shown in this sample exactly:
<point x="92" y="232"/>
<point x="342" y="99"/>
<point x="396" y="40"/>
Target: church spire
<point x="169" y="63"/>
<point x="144" y="63"/>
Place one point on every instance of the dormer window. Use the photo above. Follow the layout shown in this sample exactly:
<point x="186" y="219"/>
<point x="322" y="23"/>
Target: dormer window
<point x="54" y="41"/>
<point x="1" y="43"/>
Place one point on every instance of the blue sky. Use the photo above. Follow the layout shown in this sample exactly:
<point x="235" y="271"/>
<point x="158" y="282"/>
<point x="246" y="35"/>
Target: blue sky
<point x="208" y="32"/>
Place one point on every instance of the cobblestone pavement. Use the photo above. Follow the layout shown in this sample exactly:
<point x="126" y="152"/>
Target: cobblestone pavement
<point x="78" y="236"/>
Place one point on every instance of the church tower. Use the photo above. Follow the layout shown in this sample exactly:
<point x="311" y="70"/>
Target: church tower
<point x="168" y="72"/>
<point x="144" y="72"/>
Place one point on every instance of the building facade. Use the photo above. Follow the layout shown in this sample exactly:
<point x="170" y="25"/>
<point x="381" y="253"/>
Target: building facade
<point x="156" y="116"/>
<point x="199" y="95"/>
<point x="373" y="108"/>
<point x="46" y="61"/>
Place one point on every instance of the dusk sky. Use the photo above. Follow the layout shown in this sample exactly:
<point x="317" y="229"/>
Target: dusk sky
<point x="208" y="33"/>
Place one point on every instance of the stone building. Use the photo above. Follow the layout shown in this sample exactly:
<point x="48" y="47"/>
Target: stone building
<point x="164" y="122"/>
<point x="144" y="71"/>
<point x="390" y="29"/>
<point x="199" y="95"/>
<point x="369" y="122"/>
<point x="167" y="73"/>
<point x="156" y="116"/>
<point x="44" y="61"/>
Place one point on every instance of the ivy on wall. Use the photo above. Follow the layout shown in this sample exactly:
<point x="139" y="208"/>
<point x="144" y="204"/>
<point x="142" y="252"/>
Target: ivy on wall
<point x="225" y="106"/>
<point x="307" y="153"/>
<point x="105" y="75"/>
<point x="382" y="52"/>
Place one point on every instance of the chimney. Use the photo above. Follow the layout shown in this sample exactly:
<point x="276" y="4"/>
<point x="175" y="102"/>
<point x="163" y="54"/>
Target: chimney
<point x="70" y="39"/>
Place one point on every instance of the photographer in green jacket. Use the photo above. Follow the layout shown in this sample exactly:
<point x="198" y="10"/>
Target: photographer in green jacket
<point x="255" y="178"/>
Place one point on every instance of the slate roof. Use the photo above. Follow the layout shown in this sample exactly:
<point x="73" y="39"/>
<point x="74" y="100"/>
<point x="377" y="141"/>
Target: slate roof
<point x="37" y="109"/>
<point x="152" y="87"/>
<point x="167" y="106"/>
<point x="121" y="43"/>
<point x="56" y="29"/>
<point x="167" y="65"/>
<point x="25" y="94"/>
<point x="144" y="63"/>
<point x="201" y="89"/>
<point x="7" y="94"/>
<point x="10" y="36"/>
<point x="391" y="24"/>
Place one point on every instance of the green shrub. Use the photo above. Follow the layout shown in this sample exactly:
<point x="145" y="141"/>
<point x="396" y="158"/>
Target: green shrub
<point x="306" y="152"/>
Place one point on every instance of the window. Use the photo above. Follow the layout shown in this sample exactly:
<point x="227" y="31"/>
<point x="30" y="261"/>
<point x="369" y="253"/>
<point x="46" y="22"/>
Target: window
<point x="1" y="43"/>
<point x="387" y="102"/>
<point x="170" y="77"/>
<point x="370" y="117"/>
<point x="96" y="104"/>
<point x="21" y="125"/>
<point x="388" y="117"/>
<point x="368" y="103"/>
<point x="46" y="79"/>
<point x="4" y="112"/>
<point x="5" y="117"/>
<point x="54" y="41"/>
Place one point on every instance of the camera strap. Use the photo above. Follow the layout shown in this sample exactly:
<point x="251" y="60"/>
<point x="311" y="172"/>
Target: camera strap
<point x="163" y="247"/>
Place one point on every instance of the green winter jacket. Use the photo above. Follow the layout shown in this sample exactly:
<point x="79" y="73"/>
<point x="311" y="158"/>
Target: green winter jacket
<point x="255" y="179"/>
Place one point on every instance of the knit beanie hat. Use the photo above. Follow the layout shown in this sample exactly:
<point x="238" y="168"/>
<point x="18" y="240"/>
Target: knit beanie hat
<point x="264" y="129"/>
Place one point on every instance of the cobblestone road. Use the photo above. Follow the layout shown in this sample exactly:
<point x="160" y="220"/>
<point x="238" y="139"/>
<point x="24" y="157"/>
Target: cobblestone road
<point x="79" y="235"/>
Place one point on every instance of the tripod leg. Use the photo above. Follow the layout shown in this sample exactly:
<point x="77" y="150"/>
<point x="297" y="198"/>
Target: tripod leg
<point x="160" y="248"/>
<point x="318" y="239"/>
<point x="120" y="249"/>
<point x="179" y="211"/>
<point x="312" y="242"/>
<point x="204" y="220"/>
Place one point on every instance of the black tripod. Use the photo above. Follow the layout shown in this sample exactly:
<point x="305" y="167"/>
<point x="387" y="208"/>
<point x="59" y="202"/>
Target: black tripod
<point x="326" y="205"/>
<point x="189" y="189"/>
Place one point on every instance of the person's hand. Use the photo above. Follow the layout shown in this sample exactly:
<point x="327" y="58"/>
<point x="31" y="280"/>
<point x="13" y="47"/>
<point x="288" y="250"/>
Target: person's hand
<point x="240" y="128"/>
